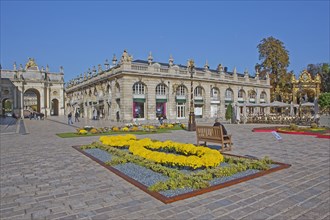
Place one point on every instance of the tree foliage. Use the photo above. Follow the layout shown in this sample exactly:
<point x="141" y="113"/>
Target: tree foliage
<point x="229" y="112"/>
<point x="324" y="101"/>
<point x="273" y="55"/>
<point x="275" y="60"/>
<point x="323" y="70"/>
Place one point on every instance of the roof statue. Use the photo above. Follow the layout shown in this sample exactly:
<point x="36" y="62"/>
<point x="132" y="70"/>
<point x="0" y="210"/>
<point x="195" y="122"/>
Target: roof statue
<point x="171" y="60"/>
<point x="126" y="58"/>
<point x="114" y="60"/>
<point x="220" y="68"/>
<point x="150" y="58"/>
<point x="235" y="71"/>
<point x="206" y="66"/>
<point x="30" y="63"/>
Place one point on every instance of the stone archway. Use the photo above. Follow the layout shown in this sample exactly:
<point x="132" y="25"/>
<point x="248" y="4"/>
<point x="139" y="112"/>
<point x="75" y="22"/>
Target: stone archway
<point x="54" y="107"/>
<point x="7" y="106"/>
<point x="31" y="100"/>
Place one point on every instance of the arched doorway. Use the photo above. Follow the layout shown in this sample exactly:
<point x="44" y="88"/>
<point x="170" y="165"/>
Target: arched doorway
<point x="54" y="107"/>
<point x="32" y="100"/>
<point x="7" y="106"/>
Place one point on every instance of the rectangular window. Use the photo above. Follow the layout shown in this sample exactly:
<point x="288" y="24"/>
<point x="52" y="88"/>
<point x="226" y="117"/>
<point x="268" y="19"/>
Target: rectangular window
<point x="180" y="110"/>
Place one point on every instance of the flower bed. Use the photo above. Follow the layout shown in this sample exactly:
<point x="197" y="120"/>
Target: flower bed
<point x="319" y="132"/>
<point x="141" y="129"/>
<point x="182" y="170"/>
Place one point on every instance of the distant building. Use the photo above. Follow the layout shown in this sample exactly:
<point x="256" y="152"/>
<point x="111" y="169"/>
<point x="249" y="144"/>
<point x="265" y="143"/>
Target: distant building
<point x="144" y="89"/>
<point x="33" y="89"/>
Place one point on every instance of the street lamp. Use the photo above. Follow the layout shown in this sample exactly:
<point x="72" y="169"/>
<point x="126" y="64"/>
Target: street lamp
<point x="191" y="122"/>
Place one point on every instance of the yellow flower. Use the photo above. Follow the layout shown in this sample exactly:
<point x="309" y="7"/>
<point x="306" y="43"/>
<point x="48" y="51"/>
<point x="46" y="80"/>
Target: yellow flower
<point x="82" y="131"/>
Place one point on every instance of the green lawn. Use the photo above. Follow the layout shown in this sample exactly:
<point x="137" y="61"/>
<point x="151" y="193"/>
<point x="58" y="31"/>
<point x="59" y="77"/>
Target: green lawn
<point x="74" y="134"/>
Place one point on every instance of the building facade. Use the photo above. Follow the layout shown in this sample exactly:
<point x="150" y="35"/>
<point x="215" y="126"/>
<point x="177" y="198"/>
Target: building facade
<point x="32" y="89"/>
<point x="143" y="90"/>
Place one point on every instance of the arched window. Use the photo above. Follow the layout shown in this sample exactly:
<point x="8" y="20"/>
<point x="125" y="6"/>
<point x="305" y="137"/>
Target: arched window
<point x="229" y="95"/>
<point x="138" y="88"/>
<point x="252" y="96"/>
<point x="181" y="90"/>
<point x="241" y="94"/>
<point x="161" y="89"/>
<point x="215" y="93"/>
<point x="108" y="89"/>
<point x="263" y="97"/>
<point x="198" y="91"/>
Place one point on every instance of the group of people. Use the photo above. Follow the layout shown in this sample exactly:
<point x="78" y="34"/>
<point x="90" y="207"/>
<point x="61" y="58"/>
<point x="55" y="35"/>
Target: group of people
<point x="36" y="115"/>
<point x="76" y="117"/>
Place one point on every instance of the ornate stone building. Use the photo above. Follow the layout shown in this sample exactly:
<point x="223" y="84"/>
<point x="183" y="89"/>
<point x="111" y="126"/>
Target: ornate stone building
<point x="302" y="89"/>
<point x="31" y="88"/>
<point x="144" y="89"/>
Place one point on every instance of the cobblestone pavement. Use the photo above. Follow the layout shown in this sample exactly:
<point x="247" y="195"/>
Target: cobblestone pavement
<point x="8" y="125"/>
<point x="43" y="177"/>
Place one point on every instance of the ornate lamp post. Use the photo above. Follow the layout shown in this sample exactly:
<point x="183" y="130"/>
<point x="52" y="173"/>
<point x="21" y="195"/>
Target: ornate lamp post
<point x="191" y="122"/>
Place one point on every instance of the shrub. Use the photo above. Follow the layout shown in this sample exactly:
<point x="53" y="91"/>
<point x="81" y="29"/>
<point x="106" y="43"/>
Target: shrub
<point x="170" y="126"/>
<point x="293" y="127"/>
<point x="183" y="126"/>
<point x="94" y="131"/>
<point x="313" y="125"/>
<point x="115" y="129"/>
<point x="125" y="129"/>
<point x="135" y="128"/>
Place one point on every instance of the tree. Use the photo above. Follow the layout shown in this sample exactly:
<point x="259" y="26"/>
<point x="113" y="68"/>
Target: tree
<point x="275" y="60"/>
<point x="324" y="101"/>
<point x="324" y="71"/>
<point x="229" y="112"/>
<point x="274" y="56"/>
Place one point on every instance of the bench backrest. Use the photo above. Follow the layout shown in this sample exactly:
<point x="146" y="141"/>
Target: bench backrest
<point x="209" y="131"/>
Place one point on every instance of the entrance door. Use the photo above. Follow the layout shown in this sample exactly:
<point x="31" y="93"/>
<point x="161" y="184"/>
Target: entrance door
<point x="54" y="108"/>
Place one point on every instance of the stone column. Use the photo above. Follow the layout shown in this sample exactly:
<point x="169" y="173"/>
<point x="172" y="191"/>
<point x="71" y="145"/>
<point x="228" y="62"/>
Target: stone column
<point x="22" y="101"/>
<point x="15" y="98"/>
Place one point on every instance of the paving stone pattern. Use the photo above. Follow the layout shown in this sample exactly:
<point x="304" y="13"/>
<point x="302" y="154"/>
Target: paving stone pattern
<point x="43" y="177"/>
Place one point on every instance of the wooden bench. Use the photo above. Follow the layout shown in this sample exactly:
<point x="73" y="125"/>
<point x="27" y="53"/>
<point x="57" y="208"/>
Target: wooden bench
<point x="213" y="135"/>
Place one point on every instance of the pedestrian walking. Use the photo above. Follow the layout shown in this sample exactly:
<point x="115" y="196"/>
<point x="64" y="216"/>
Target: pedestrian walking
<point x="70" y="119"/>
<point x="76" y="116"/>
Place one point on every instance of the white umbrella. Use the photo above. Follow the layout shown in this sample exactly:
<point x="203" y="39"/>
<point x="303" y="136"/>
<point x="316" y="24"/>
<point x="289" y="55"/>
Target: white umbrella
<point x="279" y="104"/>
<point x="244" y="112"/>
<point x="238" y="116"/>
<point x="309" y="104"/>
<point x="291" y="109"/>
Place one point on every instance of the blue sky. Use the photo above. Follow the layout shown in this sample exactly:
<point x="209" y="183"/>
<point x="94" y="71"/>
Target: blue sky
<point x="80" y="34"/>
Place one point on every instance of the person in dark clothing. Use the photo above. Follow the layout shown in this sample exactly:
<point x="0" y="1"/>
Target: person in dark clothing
<point x="70" y="119"/>
<point x="217" y="123"/>
<point x="160" y="119"/>
<point x="76" y="116"/>
<point x="117" y="116"/>
<point x="224" y="131"/>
